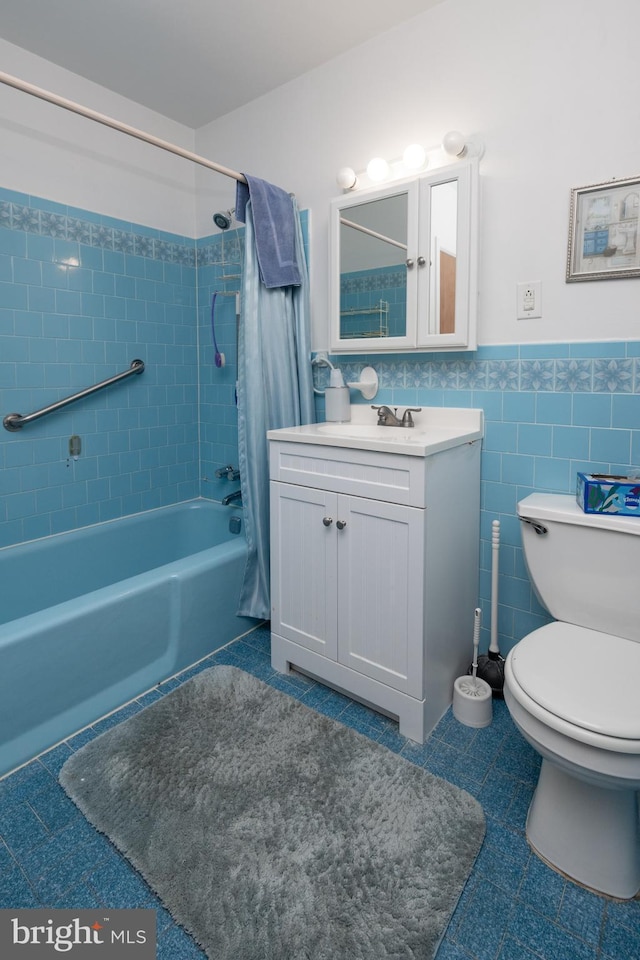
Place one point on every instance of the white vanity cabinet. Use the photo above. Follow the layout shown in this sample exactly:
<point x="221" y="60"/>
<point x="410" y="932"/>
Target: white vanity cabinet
<point x="374" y="571"/>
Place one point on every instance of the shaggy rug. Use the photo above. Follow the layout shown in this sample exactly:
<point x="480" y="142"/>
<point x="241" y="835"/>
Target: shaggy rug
<point x="271" y="832"/>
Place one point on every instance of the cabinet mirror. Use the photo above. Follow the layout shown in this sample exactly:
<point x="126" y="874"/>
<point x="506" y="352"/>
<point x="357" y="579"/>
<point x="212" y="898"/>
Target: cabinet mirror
<point x="403" y="264"/>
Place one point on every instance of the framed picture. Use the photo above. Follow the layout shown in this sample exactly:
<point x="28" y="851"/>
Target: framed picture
<point x="604" y="243"/>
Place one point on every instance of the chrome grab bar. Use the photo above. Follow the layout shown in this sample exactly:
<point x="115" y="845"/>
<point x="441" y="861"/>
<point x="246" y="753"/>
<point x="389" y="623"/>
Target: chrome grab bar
<point x="15" y="421"/>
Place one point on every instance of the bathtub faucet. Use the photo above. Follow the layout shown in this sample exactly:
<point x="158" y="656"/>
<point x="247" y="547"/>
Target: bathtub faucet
<point x="230" y="472"/>
<point x="235" y="497"/>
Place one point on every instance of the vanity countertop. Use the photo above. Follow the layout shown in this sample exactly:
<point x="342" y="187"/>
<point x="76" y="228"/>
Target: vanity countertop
<point x="436" y="429"/>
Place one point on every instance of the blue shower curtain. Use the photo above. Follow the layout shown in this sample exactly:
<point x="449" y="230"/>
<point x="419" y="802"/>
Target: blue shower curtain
<point x="274" y="390"/>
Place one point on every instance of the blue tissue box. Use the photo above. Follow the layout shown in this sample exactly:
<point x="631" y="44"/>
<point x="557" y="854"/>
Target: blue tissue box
<point x="604" y="493"/>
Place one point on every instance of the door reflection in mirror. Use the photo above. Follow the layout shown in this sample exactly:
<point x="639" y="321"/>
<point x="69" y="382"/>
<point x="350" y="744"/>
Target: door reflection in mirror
<point x="443" y="243"/>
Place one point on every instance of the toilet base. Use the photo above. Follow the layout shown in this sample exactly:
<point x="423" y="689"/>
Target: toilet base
<point x="589" y="833"/>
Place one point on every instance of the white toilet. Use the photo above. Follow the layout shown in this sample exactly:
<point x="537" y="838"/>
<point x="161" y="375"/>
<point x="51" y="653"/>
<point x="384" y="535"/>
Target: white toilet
<point x="573" y="690"/>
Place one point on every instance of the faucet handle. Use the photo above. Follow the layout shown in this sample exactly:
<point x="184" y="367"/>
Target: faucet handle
<point x="384" y="413"/>
<point x="230" y="472"/>
<point x="407" y="419"/>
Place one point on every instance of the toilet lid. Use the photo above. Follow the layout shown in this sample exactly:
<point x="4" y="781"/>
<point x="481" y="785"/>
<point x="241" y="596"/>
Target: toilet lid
<point x="585" y="677"/>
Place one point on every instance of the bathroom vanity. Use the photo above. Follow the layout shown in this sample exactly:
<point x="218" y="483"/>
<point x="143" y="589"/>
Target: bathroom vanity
<point x="375" y="557"/>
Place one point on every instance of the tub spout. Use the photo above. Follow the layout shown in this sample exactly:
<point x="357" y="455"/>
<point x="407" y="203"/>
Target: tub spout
<point x="235" y="497"/>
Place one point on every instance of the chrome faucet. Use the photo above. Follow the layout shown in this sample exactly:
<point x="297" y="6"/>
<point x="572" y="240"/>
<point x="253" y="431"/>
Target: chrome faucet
<point x="230" y="472"/>
<point x="235" y="497"/>
<point x="388" y="419"/>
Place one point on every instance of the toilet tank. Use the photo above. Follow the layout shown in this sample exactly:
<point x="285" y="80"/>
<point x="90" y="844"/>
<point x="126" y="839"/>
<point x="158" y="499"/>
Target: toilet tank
<point x="583" y="566"/>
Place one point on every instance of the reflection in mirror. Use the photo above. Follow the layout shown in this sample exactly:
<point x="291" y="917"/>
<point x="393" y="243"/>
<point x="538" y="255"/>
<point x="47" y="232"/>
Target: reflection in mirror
<point x="443" y="245"/>
<point x="373" y="275"/>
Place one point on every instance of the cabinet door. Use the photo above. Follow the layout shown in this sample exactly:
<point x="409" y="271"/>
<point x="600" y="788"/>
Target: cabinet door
<point x="303" y="566"/>
<point x="380" y="591"/>
<point x="374" y="248"/>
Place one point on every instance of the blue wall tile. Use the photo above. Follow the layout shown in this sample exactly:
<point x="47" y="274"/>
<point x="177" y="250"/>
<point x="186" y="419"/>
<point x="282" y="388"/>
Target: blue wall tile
<point x="85" y="297"/>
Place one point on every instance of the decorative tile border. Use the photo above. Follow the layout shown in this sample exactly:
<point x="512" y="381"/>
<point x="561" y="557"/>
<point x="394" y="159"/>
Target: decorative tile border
<point x="217" y="249"/>
<point x="363" y="281"/>
<point x="584" y="375"/>
<point x="224" y="249"/>
<point x="58" y="226"/>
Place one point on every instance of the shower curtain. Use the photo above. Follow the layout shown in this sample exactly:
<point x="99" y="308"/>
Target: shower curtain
<point x="274" y="390"/>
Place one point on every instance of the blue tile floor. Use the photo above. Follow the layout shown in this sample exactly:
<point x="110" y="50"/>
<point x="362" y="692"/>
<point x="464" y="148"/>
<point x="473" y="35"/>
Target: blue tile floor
<point x="512" y="908"/>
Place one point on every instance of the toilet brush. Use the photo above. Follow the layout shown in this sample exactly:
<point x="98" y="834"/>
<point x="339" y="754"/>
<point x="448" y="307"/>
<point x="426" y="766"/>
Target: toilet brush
<point x="471" y="695"/>
<point x="470" y="685"/>
<point x="491" y="665"/>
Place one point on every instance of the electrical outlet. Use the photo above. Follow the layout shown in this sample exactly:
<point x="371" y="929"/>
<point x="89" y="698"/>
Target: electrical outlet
<point x="529" y="300"/>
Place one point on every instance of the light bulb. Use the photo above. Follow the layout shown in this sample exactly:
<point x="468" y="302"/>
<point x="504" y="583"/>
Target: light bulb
<point x="414" y="156"/>
<point x="453" y="143"/>
<point x="346" y="178"/>
<point x="378" y="169"/>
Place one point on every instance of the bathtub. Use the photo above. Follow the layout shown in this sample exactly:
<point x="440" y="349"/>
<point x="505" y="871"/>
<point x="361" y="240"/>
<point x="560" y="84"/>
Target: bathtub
<point x="93" y="618"/>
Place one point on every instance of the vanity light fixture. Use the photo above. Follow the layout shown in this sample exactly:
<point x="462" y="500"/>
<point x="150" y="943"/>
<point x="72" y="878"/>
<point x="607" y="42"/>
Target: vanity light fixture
<point x="415" y="157"/>
<point x="453" y="144"/>
<point x="346" y="178"/>
<point x="378" y="170"/>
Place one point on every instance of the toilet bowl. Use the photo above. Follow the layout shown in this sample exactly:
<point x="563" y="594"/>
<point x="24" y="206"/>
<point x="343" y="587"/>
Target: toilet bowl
<point x="571" y="689"/>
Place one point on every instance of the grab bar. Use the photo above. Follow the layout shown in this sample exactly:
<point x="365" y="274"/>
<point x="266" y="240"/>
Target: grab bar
<point x="15" y="421"/>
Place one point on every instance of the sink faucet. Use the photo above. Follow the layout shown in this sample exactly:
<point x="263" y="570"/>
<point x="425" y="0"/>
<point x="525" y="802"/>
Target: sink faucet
<point x="388" y="419"/>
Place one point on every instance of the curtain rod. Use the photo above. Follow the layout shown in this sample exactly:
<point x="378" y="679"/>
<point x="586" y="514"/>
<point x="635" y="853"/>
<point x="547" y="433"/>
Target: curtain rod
<point x="117" y="125"/>
<point x="373" y="233"/>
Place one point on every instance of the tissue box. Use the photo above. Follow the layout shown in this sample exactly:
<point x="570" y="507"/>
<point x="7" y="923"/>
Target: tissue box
<point x="602" y="493"/>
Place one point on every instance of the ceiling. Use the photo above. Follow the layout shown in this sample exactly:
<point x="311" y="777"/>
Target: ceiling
<point x="196" y="60"/>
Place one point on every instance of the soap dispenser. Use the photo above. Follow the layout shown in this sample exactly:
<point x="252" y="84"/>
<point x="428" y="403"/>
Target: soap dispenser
<point x="336" y="398"/>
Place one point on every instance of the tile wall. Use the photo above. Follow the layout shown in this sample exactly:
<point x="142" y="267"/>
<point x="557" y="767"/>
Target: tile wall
<point x="81" y="296"/>
<point x="373" y="300"/>
<point x="220" y="272"/>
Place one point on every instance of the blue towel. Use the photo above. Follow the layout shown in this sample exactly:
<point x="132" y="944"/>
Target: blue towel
<point x="274" y="228"/>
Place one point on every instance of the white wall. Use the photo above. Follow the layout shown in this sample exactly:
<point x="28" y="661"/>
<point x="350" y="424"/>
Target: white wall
<point x="49" y="152"/>
<point x="550" y="86"/>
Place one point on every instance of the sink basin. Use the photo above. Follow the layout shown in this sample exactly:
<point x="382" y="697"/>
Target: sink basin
<point x="436" y="428"/>
<point x="390" y="434"/>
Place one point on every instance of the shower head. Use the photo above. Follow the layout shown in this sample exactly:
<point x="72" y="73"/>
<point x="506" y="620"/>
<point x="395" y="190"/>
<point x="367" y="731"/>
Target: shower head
<point x="223" y="219"/>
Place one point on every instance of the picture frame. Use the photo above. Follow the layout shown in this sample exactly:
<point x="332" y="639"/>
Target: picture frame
<point x="604" y="232"/>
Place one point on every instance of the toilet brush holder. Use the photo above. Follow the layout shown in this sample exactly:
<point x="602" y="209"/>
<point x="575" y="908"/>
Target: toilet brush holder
<point x="472" y="701"/>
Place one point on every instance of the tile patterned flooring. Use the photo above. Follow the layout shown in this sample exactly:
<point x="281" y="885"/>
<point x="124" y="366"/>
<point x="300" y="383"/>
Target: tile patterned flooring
<point x="513" y="906"/>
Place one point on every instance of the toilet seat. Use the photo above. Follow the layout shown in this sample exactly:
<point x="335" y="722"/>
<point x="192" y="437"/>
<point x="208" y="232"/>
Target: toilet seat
<point x="580" y="682"/>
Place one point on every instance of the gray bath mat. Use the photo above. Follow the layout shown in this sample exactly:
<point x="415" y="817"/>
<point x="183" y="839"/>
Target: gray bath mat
<point x="271" y="832"/>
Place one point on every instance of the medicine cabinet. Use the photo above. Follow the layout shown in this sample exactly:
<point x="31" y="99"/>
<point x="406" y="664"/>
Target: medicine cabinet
<point x="403" y="264"/>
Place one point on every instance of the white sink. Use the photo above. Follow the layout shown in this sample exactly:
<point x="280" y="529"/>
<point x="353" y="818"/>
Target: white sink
<point x="390" y="434"/>
<point x="436" y="428"/>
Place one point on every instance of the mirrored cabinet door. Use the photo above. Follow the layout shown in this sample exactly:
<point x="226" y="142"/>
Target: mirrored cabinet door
<point x="373" y="237"/>
<point x="403" y="265"/>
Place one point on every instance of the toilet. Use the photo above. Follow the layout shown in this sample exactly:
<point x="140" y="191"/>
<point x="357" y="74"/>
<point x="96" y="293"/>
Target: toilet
<point x="572" y="688"/>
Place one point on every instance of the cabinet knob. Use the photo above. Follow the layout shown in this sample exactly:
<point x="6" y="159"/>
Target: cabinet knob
<point x="421" y="261"/>
<point x="409" y="263"/>
<point x="341" y="524"/>
<point x="327" y="521"/>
